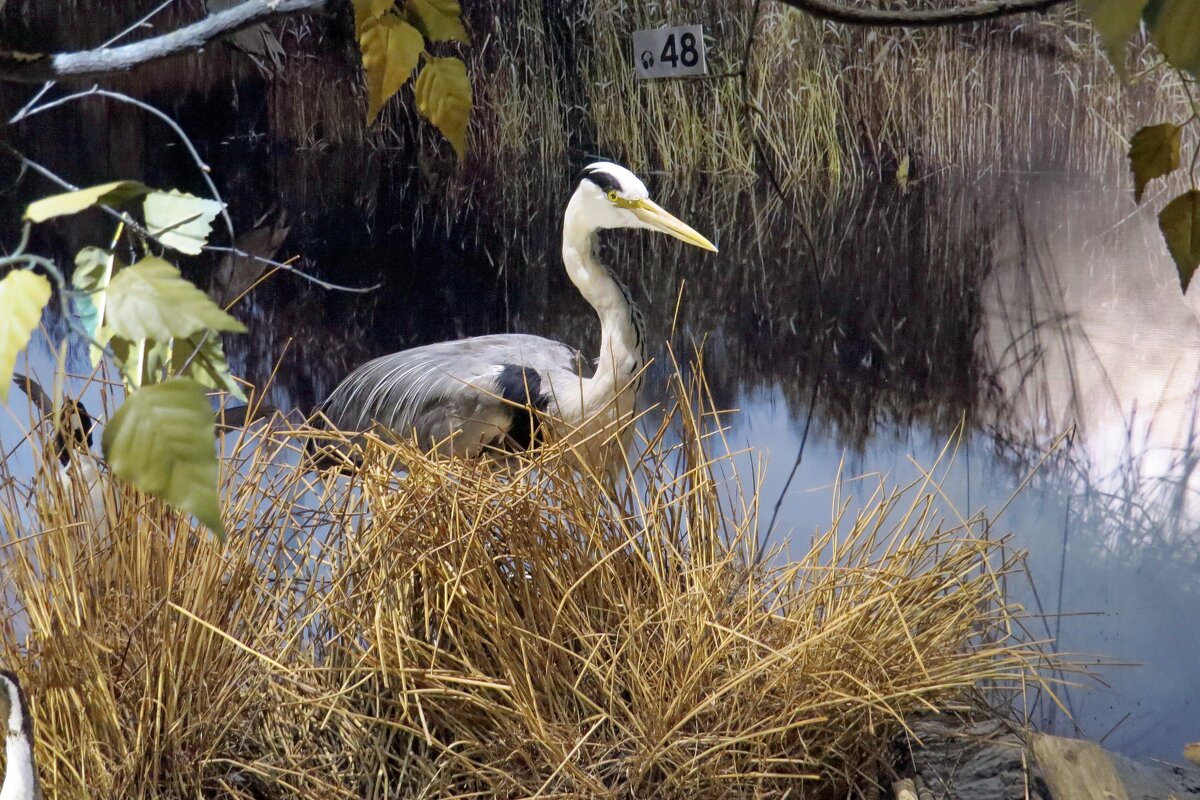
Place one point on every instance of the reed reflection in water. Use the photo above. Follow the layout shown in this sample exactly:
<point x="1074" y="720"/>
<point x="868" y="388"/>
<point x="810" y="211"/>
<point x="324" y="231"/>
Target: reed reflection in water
<point x="1081" y="329"/>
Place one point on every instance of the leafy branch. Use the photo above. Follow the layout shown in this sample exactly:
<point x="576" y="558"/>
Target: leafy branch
<point x="1154" y="151"/>
<point x="129" y="221"/>
<point x="392" y="38"/>
<point x="158" y="328"/>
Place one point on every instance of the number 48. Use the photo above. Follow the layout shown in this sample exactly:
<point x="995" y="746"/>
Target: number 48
<point x="687" y="52"/>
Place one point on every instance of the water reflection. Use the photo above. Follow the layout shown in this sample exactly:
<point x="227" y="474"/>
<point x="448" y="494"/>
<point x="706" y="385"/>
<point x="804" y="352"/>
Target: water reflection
<point x="1017" y="306"/>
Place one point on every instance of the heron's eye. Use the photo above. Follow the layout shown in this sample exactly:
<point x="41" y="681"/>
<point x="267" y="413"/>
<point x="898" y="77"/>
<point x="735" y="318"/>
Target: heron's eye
<point x="612" y="195"/>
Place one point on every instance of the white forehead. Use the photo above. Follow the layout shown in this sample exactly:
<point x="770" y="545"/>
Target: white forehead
<point x="604" y="173"/>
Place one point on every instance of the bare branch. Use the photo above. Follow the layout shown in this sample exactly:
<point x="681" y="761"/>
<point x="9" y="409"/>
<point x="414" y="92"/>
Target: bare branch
<point x="129" y="221"/>
<point x="35" y="67"/>
<point x="124" y="98"/>
<point x="924" y="18"/>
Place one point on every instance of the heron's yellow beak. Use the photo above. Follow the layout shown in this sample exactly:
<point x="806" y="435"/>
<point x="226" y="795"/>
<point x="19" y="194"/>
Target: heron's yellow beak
<point x="660" y="219"/>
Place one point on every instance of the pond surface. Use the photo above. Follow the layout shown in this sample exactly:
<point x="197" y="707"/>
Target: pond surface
<point x="859" y="333"/>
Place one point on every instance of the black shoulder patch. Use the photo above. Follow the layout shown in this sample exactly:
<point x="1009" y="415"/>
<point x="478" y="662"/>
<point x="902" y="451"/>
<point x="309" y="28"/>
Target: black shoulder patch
<point x="75" y="430"/>
<point x="521" y="386"/>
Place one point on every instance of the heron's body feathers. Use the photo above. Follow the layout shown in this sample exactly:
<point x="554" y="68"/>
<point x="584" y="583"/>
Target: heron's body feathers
<point x="461" y="395"/>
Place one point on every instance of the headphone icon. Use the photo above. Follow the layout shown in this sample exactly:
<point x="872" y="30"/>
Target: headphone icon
<point x="647" y="59"/>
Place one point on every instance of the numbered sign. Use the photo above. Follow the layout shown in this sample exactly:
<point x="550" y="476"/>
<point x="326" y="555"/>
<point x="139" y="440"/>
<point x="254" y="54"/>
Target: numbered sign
<point x="669" y="52"/>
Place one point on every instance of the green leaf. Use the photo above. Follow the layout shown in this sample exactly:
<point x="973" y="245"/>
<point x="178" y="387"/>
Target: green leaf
<point x="151" y="300"/>
<point x="94" y="267"/>
<point x="142" y="362"/>
<point x="162" y="440"/>
<point x="1180" y="225"/>
<point x="1175" y="28"/>
<point x="1115" y="21"/>
<point x="209" y="367"/>
<point x="390" y="51"/>
<point x="179" y="220"/>
<point x="444" y="98"/>
<point x="366" y="10"/>
<point x="23" y="295"/>
<point x="1153" y="152"/>
<point x="107" y="194"/>
<point x="439" y="20"/>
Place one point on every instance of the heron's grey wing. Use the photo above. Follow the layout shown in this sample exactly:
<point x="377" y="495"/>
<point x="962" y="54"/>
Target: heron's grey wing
<point x="34" y="391"/>
<point x="470" y="389"/>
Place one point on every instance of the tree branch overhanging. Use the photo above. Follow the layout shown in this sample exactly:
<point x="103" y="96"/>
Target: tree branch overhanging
<point x="920" y="18"/>
<point x="37" y="67"/>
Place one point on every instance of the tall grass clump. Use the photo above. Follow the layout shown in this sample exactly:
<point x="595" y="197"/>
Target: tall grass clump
<point x="448" y="628"/>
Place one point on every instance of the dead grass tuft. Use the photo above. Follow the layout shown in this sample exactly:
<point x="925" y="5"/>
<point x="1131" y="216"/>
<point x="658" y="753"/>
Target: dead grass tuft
<point x="457" y="630"/>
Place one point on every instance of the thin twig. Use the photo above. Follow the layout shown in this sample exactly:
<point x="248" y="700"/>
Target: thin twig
<point x="48" y="85"/>
<point x="140" y="23"/>
<point x="205" y="170"/>
<point x="292" y="269"/>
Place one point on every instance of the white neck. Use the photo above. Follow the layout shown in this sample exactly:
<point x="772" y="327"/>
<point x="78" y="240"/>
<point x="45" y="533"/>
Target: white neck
<point x="20" y="779"/>
<point x="622" y="352"/>
<point x="20" y="775"/>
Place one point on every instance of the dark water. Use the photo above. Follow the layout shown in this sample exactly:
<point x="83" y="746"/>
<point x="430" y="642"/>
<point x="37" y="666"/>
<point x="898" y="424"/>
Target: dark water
<point x="1014" y="307"/>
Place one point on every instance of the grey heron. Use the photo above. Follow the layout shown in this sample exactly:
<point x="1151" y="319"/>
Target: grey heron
<point x="501" y="391"/>
<point x="71" y="445"/>
<point x="73" y="424"/>
<point x="20" y="768"/>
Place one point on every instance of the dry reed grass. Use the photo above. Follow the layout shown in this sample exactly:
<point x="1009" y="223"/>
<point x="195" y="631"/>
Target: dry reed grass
<point x="458" y="630"/>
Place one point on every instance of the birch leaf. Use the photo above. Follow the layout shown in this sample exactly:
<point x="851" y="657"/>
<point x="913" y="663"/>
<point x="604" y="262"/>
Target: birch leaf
<point x="1180" y="225"/>
<point x="367" y="10"/>
<point x="106" y="194"/>
<point x="180" y="220"/>
<point x="162" y="440"/>
<point x="390" y="51"/>
<point x="208" y="367"/>
<point x="1175" y="28"/>
<point x="439" y="20"/>
<point x="1115" y="21"/>
<point x="23" y="295"/>
<point x="1153" y="153"/>
<point x="444" y="98"/>
<point x="151" y="300"/>
<point x="94" y="267"/>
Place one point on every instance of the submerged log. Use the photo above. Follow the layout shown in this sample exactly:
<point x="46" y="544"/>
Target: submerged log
<point x="994" y="760"/>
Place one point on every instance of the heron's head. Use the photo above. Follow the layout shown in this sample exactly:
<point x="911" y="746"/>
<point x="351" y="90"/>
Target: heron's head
<point x="610" y="196"/>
